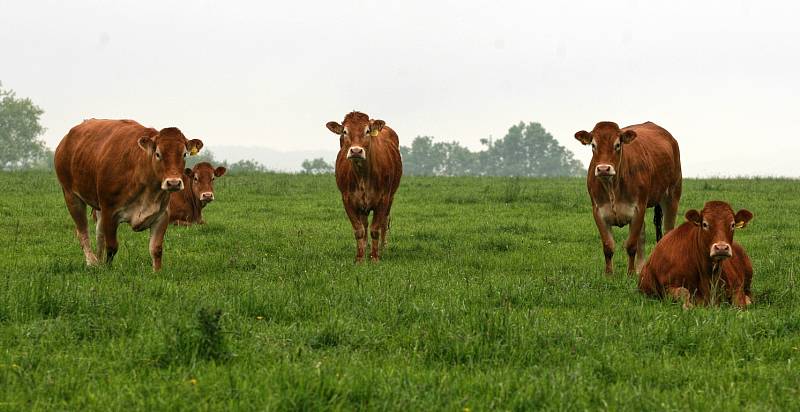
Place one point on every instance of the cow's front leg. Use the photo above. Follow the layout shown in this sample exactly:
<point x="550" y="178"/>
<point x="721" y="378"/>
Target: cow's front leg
<point x="107" y="234"/>
<point x="607" y="238"/>
<point x="157" y="232"/>
<point x="681" y="294"/>
<point x="359" y="230"/>
<point x="635" y="243"/>
<point x="378" y="225"/>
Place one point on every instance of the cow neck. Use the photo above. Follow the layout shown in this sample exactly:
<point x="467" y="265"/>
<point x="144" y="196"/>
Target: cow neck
<point x="194" y="203"/>
<point x="362" y="169"/>
<point x="612" y="185"/>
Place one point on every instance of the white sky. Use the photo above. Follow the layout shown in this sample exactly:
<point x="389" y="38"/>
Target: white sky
<point x="722" y="76"/>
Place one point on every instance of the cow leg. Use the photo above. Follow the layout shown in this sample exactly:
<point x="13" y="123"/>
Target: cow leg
<point x="634" y="245"/>
<point x="77" y="209"/>
<point x="385" y="227"/>
<point x="157" y="232"/>
<point x="670" y="208"/>
<point x="107" y="233"/>
<point x="359" y="230"/>
<point x="378" y="225"/>
<point x="607" y="237"/>
<point x="101" y="238"/>
<point x="639" y="261"/>
<point x="681" y="294"/>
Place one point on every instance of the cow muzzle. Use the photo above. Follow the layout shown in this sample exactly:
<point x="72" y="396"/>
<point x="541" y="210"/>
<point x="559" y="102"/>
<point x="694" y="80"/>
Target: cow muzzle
<point x="721" y="250"/>
<point x="172" y="184"/>
<point x="207" y="197"/>
<point x="604" y="170"/>
<point x="357" y="153"/>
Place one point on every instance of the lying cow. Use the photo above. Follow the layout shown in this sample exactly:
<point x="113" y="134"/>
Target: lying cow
<point x="632" y="169"/>
<point x="699" y="261"/>
<point x="186" y="206"/>
<point x="368" y="171"/>
<point x="126" y="171"/>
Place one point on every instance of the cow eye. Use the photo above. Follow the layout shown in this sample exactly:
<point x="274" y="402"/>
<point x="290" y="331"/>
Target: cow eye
<point x="594" y="146"/>
<point x="617" y="146"/>
<point x="705" y="225"/>
<point x="733" y="225"/>
<point x="184" y="154"/>
<point x="158" y="155"/>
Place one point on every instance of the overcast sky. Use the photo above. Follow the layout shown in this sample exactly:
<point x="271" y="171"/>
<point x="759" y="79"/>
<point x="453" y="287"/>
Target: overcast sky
<point x="722" y="76"/>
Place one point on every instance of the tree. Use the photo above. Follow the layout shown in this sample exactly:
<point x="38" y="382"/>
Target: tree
<point x="20" y="146"/>
<point x="204" y="155"/>
<point x="528" y="150"/>
<point x="246" y="166"/>
<point x="317" y="166"/>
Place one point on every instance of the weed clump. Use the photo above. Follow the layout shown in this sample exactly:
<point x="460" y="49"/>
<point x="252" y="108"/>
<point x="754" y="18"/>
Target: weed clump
<point x="204" y="340"/>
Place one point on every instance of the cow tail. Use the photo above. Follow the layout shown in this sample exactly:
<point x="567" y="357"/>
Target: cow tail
<point x="658" y="218"/>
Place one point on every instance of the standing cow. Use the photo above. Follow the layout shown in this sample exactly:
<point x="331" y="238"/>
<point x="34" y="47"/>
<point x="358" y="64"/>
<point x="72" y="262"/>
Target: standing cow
<point x="126" y="171"/>
<point x="632" y="169"/>
<point x="186" y="206"/>
<point x="368" y="171"/>
<point x="699" y="261"/>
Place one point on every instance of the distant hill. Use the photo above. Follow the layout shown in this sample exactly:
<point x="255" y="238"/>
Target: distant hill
<point x="273" y="159"/>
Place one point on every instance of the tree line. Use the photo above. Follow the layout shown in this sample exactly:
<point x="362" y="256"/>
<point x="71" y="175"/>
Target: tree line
<point x="526" y="150"/>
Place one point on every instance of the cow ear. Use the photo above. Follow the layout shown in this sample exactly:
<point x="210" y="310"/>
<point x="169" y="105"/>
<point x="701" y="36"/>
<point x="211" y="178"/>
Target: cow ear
<point x="742" y="218"/>
<point x="584" y="137"/>
<point x="692" y="215"/>
<point x="187" y="172"/>
<point x="220" y="171"/>
<point x="375" y="127"/>
<point x="147" y="144"/>
<point x="334" y="127"/>
<point x="194" y="146"/>
<point x="627" y="136"/>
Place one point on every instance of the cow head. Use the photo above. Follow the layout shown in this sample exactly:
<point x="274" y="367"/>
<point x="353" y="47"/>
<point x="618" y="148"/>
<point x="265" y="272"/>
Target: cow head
<point x="716" y="223"/>
<point x="607" y="142"/>
<point x="167" y="151"/>
<point x="202" y="177"/>
<point x="356" y="132"/>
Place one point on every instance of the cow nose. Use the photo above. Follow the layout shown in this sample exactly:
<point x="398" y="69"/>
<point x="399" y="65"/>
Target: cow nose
<point x="172" y="184"/>
<point x="721" y="249"/>
<point x="356" y="151"/>
<point x="207" y="196"/>
<point x="604" y="170"/>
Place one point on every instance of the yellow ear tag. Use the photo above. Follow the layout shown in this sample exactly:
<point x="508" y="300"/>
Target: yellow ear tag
<point x="739" y="225"/>
<point x="194" y="151"/>
<point x="374" y="133"/>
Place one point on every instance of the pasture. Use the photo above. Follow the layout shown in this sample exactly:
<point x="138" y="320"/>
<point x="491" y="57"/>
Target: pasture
<point x="490" y="296"/>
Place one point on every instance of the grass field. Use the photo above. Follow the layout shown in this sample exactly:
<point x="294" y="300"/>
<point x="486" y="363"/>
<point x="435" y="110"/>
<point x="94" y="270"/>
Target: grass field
<point x="490" y="296"/>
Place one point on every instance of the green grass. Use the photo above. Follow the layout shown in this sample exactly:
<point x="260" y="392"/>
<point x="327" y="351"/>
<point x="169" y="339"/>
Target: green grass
<point x="490" y="296"/>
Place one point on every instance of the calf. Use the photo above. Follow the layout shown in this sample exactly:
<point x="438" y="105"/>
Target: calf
<point x="125" y="171"/>
<point x="698" y="261"/>
<point x="368" y="171"/>
<point x="632" y="169"/>
<point x="186" y="206"/>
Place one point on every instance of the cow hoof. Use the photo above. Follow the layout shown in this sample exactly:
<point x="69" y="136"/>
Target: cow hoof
<point x="687" y="306"/>
<point x="375" y="259"/>
<point x="748" y="301"/>
<point x="92" y="261"/>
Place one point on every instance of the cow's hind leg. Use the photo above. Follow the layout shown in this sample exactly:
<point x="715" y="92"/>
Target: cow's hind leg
<point x="658" y="218"/>
<point x="670" y="208"/>
<point x="77" y="209"/>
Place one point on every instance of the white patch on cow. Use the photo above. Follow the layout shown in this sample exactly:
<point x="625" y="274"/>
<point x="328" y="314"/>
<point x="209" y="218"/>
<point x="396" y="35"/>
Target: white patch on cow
<point x="144" y="210"/>
<point x="617" y="215"/>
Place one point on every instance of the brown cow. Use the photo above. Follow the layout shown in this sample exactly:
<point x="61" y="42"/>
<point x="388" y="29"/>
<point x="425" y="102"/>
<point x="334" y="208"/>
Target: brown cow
<point x="186" y="206"/>
<point x="631" y="170"/>
<point x="700" y="261"/>
<point x="368" y="171"/>
<point x="127" y="172"/>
